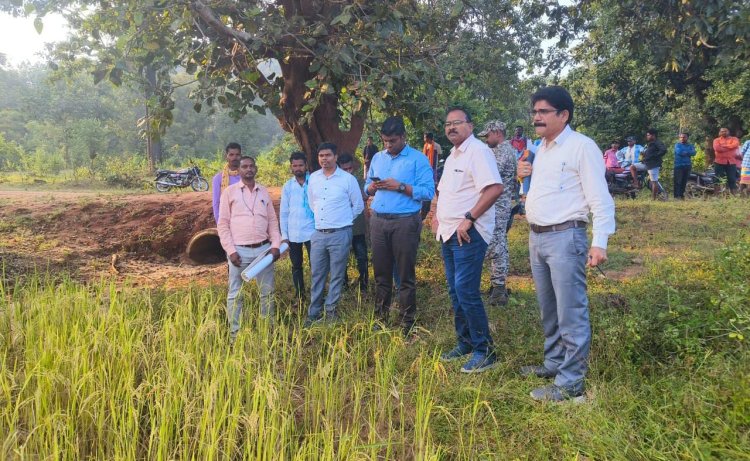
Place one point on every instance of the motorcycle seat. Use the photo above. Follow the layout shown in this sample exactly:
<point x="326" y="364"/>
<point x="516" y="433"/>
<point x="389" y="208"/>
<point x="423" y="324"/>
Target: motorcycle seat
<point x="180" y="171"/>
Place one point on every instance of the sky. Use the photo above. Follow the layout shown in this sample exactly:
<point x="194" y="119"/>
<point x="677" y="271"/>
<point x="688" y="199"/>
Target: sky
<point x="20" y="42"/>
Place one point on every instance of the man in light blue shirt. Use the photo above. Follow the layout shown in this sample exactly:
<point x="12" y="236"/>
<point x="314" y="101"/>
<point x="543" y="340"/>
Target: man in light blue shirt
<point x="297" y="221"/>
<point x="629" y="154"/>
<point x="400" y="178"/>
<point x="335" y="199"/>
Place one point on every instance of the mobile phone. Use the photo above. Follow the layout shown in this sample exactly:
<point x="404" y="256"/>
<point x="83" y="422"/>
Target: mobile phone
<point x="374" y="178"/>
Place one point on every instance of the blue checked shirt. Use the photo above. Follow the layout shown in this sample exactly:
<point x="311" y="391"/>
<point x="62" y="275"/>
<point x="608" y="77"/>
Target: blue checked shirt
<point x="296" y="224"/>
<point x="410" y="167"/>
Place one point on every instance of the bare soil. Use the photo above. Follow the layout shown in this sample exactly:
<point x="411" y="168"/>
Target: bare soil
<point x="137" y="237"/>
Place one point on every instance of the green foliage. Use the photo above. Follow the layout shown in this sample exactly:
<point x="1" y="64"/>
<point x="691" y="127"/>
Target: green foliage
<point x="11" y="155"/>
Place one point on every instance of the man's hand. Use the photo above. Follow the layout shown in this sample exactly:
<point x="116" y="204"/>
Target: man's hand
<point x="276" y="254"/>
<point x="524" y="169"/>
<point x="234" y="258"/>
<point x="388" y="184"/>
<point x="462" y="233"/>
<point x="434" y="223"/>
<point x="597" y="256"/>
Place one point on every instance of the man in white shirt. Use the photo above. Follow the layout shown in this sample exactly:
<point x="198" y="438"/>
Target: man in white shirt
<point x="297" y="222"/>
<point x="568" y="176"/>
<point x="336" y="199"/>
<point x="464" y="223"/>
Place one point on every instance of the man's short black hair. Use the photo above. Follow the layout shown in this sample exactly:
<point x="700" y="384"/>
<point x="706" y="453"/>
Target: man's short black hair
<point x="327" y="146"/>
<point x="519" y="127"/>
<point x="429" y="136"/>
<point x="653" y="132"/>
<point x="247" y="157"/>
<point x="557" y="97"/>
<point x="232" y="145"/>
<point x="685" y="133"/>
<point x="344" y="158"/>
<point x="462" y="109"/>
<point x="393" y="126"/>
<point x="298" y="156"/>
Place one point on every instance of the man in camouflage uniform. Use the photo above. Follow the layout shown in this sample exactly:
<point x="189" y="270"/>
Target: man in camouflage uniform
<point x="497" y="251"/>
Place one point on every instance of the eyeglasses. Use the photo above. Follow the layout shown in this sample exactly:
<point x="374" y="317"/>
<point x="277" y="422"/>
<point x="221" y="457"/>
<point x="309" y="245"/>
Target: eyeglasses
<point x="455" y="123"/>
<point x="542" y="112"/>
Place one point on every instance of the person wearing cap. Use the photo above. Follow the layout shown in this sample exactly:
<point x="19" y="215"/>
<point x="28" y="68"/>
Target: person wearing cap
<point x="629" y="154"/>
<point x="399" y="179"/>
<point x="568" y="185"/>
<point x="497" y="251"/>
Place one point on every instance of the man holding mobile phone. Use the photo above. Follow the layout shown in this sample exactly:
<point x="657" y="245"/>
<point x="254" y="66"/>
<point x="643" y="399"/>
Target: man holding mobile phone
<point x="400" y="179"/>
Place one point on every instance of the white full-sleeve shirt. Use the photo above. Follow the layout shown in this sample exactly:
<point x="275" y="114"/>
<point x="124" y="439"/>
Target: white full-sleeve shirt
<point x="568" y="183"/>
<point x="335" y="200"/>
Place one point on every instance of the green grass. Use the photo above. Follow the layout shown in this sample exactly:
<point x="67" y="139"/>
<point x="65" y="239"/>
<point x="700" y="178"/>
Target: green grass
<point x="99" y="371"/>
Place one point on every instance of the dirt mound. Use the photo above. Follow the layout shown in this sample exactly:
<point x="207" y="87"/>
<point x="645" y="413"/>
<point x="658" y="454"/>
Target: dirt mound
<point x="96" y="232"/>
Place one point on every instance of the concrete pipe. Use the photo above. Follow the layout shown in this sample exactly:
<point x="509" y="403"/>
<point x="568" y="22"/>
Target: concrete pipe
<point x="205" y="248"/>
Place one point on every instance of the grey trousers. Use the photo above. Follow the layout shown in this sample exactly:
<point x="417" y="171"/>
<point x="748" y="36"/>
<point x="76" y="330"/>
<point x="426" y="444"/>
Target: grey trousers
<point x="329" y="253"/>
<point x="558" y="265"/>
<point x="265" y="282"/>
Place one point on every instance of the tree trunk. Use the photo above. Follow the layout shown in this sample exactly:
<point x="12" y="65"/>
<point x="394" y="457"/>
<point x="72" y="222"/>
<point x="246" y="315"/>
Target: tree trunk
<point x="325" y="120"/>
<point x="153" y="140"/>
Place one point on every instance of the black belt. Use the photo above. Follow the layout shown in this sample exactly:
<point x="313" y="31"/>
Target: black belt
<point x="256" y="245"/>
<point x="558" y="227"/>
<point x="394" y="215"/>
<point x="330" y="231"/>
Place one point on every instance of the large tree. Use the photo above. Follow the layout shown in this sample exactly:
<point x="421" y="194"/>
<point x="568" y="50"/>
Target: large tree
<point x="321" y="66"/>
<point x="684" y="41"/>
<point x="318" y="65"/>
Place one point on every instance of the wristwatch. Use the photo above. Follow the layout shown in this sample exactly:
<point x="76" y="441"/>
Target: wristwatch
<point x="401" y="187"/>
<point x="470" y="217"/>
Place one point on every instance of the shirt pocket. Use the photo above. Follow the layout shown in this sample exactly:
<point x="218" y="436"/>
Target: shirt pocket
<point x="452" y="180"/>
<point x="567" y="177"/>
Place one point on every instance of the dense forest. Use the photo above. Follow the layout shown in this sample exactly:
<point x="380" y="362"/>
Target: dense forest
<point x="136" y="81"/>
<point x="49" y="123"/>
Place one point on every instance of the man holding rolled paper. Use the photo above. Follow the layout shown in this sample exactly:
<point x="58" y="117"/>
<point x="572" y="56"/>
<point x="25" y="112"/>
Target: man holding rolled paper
<point x="248" y="229"/>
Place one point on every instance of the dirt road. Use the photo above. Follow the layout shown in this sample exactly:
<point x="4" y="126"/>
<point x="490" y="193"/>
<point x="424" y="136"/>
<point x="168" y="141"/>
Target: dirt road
<point x="140" y="237"/>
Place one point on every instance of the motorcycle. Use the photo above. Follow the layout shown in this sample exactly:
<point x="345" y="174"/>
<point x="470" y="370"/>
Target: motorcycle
<point x="622" y="184"/>
<point x="167" y="179"/>
<point x="701" y="184"/>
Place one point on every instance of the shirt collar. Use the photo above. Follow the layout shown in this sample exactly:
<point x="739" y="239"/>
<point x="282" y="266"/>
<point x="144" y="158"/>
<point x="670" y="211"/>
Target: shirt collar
<point x="255" y="188"/>
<point x="404" y="151"/>
<point x="560" y="139"/>
<point x="464" y="145"/>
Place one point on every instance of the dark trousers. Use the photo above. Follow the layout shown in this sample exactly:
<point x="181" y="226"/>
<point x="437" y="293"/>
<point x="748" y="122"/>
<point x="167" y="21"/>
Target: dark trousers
<point x="395" y="241"/>
<point x="730" y="171"/>
<point x="681" y="175"/>
<point x="359" y="248"/>
<point x="298" y="274"/>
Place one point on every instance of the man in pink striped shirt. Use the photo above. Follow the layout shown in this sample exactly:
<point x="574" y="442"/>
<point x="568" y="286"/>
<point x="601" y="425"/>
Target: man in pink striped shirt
<point x="248" y="227"/>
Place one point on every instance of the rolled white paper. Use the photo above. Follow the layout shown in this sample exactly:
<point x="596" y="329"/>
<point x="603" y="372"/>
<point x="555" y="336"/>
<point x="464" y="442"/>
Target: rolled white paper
<point x="261" y="262"/>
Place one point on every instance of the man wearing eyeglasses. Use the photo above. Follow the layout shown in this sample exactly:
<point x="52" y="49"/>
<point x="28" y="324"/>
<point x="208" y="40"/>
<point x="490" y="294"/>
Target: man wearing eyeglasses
<point x="569" y="182"/>
<point x="248" y="229"/>
<point x="464" y="223"/>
